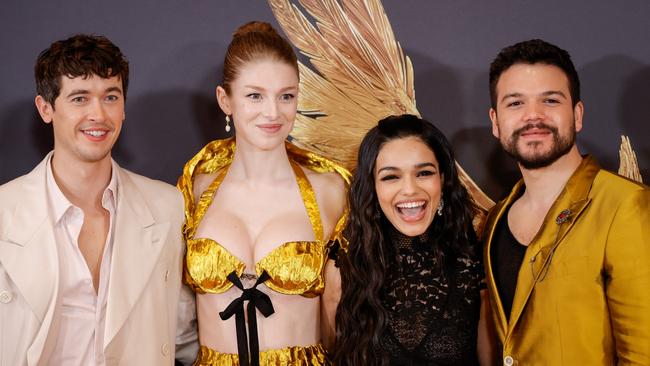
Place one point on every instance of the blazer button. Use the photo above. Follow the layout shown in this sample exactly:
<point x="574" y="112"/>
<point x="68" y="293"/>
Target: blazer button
<point x="6" y="296"/>
<point x="508" y="361"/>
<point x="164" y="349"/>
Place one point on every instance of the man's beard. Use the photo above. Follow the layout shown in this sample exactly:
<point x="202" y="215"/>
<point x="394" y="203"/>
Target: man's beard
<point x="561" y="146"/>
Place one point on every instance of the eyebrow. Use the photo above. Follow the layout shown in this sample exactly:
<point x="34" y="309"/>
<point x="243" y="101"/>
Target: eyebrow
<point x="511" y="95"/>
<point x="85" y="91"/>
<point x="77" y="92"/>
<point x="545" y="94"/>
<point x="263" y="89"/>
<point x="417" y="166"/>
<point x="114" y="89"/>
<point x="554" y="92"/>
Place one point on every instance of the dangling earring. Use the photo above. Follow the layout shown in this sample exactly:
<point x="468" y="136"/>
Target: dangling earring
<point x="227" y="123"/>
<point x="440" y="207"/>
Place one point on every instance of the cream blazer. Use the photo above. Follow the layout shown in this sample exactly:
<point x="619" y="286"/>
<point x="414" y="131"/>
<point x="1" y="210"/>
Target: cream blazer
<point x="583" y="288"/>
<point x="145" y="278"/>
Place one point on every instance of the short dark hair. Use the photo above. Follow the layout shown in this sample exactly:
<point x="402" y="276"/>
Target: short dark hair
<point x="534" y="51"/>
<point x="80" y="55"/>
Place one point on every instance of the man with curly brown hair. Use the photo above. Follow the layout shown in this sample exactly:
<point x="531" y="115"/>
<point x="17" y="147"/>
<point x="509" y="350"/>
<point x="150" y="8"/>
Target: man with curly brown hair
<point x="90" y="253"/>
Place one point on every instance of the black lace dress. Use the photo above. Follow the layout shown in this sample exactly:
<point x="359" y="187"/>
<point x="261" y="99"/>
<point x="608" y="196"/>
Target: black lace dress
<point x="432" y="317"/>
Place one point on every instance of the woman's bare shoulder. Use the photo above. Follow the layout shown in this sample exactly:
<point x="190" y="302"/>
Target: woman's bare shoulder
<point x="330" y="185"/>
<point x="201" y="183"/>
<point x="331" y="194"/>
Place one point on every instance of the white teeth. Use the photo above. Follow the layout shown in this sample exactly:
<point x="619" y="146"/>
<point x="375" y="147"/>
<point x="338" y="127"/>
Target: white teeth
<point x="95" y="133"/>
<point x="411" y="204"/>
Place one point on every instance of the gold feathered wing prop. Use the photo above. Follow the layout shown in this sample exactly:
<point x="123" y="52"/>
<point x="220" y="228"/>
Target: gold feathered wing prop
<point x="361" y="76"/>
<point x="628" y="166"/>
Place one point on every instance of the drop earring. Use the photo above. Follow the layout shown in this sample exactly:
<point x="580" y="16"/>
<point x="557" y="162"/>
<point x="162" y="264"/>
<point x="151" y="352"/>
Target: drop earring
<point x="441" y="205"/>
<point x="227" y="123"/>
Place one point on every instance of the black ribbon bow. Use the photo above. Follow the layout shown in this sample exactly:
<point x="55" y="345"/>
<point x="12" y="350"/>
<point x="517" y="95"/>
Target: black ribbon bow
<point x="256" y="299"/>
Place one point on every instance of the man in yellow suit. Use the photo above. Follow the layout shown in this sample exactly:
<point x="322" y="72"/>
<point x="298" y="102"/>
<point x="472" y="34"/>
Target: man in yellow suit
<point x="567" y="253"/>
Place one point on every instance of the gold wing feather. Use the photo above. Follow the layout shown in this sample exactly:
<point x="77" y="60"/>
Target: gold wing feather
<point x="628" y="166"/>
<point x="360" y="76"/>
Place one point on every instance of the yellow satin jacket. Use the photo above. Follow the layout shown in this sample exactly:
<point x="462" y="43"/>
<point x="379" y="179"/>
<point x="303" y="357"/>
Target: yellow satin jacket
<point x="583" y="288"/>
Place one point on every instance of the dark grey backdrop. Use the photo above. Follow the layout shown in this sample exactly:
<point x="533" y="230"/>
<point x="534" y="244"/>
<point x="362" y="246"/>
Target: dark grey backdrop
<point x="176" y="50"/>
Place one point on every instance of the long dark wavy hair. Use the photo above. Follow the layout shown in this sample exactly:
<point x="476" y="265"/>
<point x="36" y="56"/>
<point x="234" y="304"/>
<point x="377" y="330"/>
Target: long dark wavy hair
<point x="360" y="317"/>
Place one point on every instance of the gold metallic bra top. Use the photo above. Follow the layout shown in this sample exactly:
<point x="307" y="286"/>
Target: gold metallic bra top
<point x="293" y="268"/>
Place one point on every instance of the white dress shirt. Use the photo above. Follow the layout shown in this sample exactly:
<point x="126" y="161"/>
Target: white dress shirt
<point x="81" y="311"/>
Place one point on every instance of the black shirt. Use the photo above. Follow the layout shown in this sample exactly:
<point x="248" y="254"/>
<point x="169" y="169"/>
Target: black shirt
<point x="507" y="255"/>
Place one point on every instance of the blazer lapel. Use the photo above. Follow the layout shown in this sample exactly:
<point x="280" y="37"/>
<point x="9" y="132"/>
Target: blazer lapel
<point x="137" y="244"/>
<point x="490" y="226"/>
<point x="30" y="246"/>
<point x="35" y="257"/>
<point x="559" y="220"/>
<point x="29" y="254"/>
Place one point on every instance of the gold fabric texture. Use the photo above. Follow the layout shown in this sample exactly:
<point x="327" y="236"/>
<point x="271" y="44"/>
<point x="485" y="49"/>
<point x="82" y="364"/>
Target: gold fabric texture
<point x="293" y="267"/>
<point x="290" y="356"/>
<point x="582" y="293"/>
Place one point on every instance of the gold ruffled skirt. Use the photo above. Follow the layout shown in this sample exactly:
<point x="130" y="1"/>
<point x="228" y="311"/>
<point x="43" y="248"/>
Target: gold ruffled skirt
<point x="291" y="356"/>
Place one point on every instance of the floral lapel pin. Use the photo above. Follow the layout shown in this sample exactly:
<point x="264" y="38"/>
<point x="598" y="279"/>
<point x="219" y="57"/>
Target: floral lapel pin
<point x="563" y="217"/>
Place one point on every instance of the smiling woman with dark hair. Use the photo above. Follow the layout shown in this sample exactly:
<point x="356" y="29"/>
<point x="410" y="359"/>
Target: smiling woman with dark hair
<point x="412" y="272"/>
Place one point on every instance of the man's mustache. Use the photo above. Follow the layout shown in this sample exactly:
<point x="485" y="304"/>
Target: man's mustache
<point x="540" y="125"/>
